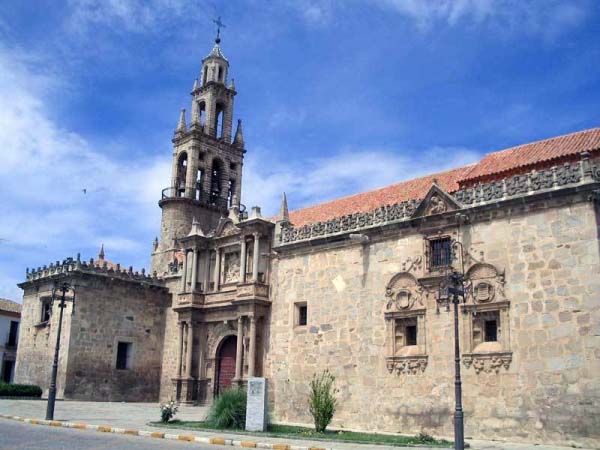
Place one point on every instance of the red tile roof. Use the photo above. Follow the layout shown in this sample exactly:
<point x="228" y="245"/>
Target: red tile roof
<point x="368" y="201"/>
<point x="535" y="154"/>
<point x="494" y="165"/>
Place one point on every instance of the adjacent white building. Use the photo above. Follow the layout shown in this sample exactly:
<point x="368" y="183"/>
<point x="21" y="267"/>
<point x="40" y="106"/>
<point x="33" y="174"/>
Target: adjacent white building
<point x="10" y="316"/>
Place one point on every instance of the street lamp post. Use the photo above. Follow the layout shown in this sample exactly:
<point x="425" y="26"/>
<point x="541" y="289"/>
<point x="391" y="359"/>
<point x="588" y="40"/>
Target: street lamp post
<point x="451" y="289"/>
<point x="65" y="286"/>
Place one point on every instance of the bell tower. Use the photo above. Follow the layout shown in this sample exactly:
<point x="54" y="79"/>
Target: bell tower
<point x="206" y="176"/>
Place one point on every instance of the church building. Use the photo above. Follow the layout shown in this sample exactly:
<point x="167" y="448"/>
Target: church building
<point x="353" y="285"/>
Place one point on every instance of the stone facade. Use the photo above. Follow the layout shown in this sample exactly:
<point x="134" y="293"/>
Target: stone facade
<point x="538" y="382"/>
<point x="109" y="307"/>
<point x="353" y="286"/>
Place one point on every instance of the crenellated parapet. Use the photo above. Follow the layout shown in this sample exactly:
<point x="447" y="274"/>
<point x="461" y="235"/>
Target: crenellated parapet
<point x="99" y="267"/>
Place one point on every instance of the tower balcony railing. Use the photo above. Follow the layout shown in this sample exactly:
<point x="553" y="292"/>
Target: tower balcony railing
<point x="203" y="197"/>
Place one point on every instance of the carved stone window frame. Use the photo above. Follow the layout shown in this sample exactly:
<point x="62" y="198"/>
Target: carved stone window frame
<point x="415" y="358"/>
<point x="486" y="296"/>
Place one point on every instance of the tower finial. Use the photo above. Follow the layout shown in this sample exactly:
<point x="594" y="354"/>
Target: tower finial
<point x="238" y="140"/>
<point x="284" y="215"/>
<point x="181" y="126"/>
<point x="101" y="254"/>
<point x="219" y="25"/>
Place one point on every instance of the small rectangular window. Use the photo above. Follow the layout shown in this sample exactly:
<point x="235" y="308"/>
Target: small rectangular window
<point x="440" y="251"/>
<point x="491" y="331"/>
<point x="124" y="355"/>
<point x="301" y="314"/>
<point x="411" y="335"/>
<point x="46" y="309"/>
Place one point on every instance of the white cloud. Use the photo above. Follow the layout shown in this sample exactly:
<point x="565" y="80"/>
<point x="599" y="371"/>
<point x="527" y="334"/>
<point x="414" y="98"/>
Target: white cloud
<point x="129" y="15"/>
<point x="547" y="18"/>
<point x="44" y="170"/>
<point x="347" y="172"/>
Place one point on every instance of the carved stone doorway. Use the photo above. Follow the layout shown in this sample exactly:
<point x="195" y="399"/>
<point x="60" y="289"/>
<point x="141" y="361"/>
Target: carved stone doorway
<point x="225" y="364"/>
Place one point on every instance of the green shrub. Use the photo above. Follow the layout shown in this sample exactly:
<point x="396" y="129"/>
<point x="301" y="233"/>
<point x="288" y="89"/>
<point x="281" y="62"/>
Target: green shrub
<point x="19" y="390"/>
<point x="321" y="400"/>
<point x="228" y="410"/>
<point x="424" y="438"/>
<point x="168" y="411"/>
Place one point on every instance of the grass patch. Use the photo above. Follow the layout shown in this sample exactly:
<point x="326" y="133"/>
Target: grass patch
<point x="291" y="432"/>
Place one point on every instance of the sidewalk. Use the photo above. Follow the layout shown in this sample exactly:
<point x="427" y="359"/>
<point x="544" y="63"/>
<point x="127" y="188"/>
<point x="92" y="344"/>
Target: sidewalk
<point x="135" y="416"/>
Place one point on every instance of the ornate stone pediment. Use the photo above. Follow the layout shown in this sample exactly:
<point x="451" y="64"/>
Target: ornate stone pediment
<point x="487" y="283"/>
<point x="437" y="201"/>
<point x="226" y="227"/>
<point x="404" y="292"/>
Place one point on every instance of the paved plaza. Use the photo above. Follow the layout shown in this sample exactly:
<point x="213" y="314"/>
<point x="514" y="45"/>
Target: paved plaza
<point x="138" y="415"/>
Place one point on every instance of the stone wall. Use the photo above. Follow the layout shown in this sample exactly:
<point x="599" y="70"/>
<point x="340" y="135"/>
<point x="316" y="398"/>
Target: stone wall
<point x="548" y="392"/>
<point x="170" y="347"/>
<point x="108" y="312"/>
<point x="37" y="341"/>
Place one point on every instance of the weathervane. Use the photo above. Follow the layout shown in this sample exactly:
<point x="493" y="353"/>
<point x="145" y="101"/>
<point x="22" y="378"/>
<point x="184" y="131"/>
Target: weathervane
<point x="219" y="25"/>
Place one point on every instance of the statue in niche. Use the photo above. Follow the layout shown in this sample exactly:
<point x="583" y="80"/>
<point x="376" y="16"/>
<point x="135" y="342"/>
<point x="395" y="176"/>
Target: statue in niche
<point x="231" y="270"/>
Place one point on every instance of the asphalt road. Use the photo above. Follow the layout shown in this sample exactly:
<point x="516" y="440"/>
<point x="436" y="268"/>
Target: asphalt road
<point x="24" y="436"/>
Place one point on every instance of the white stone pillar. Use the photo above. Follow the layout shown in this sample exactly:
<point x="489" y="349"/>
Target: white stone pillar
<point x="180" y="350"/>
<point x="252" y="352"/>
<point x="184" y="274"/>
<point x="243" y="260"/>
<point x="190" y="346"/>
<point x="255" y="257"/>
<point x="194" y="269"/>
<point x="239" y="348"/>
<point x="217" y="274"/>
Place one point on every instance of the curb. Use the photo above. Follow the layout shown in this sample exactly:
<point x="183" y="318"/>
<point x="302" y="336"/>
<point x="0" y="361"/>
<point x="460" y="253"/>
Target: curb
<point x="161" y="435"/>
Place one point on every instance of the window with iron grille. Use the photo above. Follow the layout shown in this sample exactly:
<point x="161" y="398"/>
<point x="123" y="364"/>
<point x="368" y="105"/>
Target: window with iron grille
<point x="440" y="253"/>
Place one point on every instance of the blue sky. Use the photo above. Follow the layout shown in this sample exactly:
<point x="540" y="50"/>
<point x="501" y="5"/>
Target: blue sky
<point x="337" y="97"/>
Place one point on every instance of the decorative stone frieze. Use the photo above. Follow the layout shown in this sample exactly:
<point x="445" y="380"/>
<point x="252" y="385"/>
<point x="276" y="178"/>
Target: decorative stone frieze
<point x="487" y="362"/>
<point x="406" y="364"/>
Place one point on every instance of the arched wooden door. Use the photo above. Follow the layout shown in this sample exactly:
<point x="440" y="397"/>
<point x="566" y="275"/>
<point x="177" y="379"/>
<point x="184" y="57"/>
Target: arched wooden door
<point x="226" y="364"/>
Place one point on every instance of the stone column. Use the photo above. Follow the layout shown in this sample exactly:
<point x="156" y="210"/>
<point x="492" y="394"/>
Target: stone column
<point x="239" y="349"/>
<point x="243" y="260"/>
<point x="252" y="352"/>
<point x="255" y="257"/>
<point x="180" y="352"/>
<point x="194" y="269"/>
<point x="184" y="274"/>
<point x="207" y="271"/>
<point x="190" y="346"/>
<point x="217" y="274"/>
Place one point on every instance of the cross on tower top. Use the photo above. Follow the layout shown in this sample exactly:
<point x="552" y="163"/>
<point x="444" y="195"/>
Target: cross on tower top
<point x="219" y="25"/>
